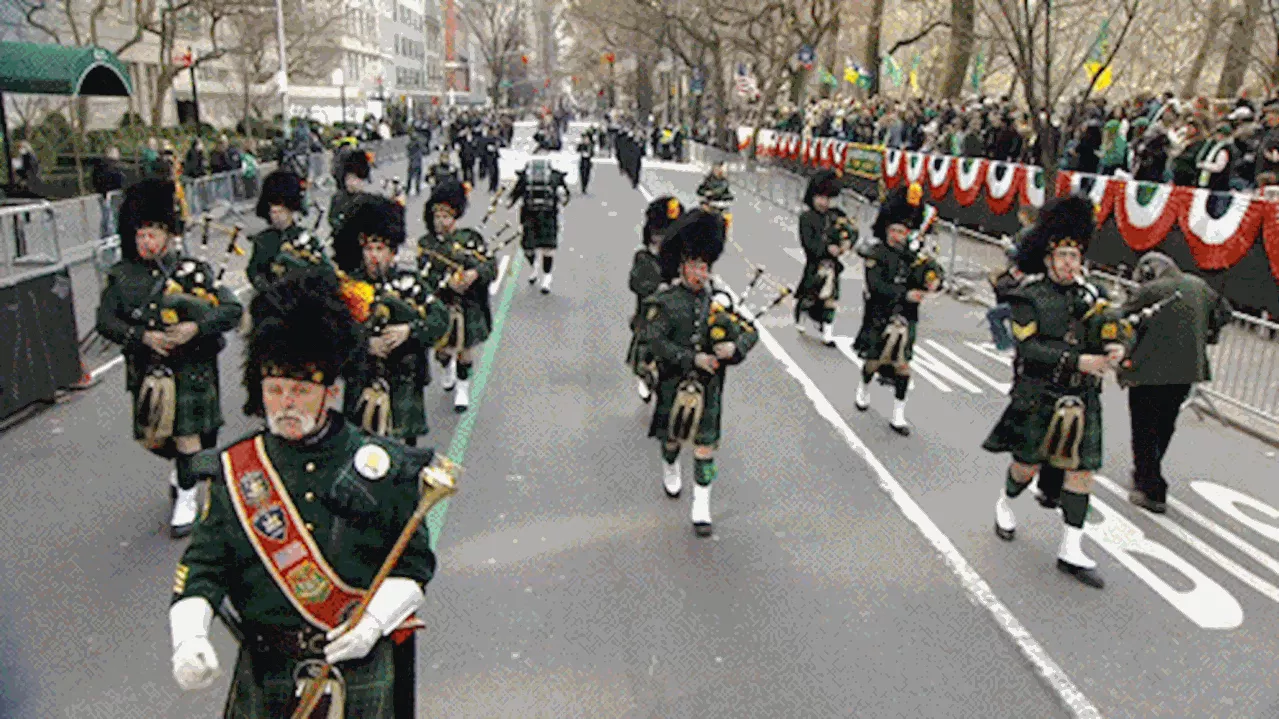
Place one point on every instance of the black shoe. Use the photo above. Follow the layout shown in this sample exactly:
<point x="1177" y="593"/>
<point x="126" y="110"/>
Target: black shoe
<point x="545" y="290"/>
<point x="702" y="530"/>
<point x="1045" y="500"/>
<point x="904" y="430"/>
<point x="181" y="531"/>
<point x="1140" y="498"/>
<point x="1005" y="534"/>
<point x="1085" y="575"/>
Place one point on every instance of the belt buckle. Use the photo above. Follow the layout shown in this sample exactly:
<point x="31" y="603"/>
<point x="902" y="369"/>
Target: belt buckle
<point x="311" y="642"/>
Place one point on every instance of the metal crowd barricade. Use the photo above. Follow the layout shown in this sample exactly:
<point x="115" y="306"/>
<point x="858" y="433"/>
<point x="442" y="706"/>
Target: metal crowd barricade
<point x="1244" y="362"/>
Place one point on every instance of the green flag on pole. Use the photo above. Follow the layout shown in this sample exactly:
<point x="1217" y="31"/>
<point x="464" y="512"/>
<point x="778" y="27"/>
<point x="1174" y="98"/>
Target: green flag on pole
<point x="979" y="69"/>
<point x="892" y="70"/>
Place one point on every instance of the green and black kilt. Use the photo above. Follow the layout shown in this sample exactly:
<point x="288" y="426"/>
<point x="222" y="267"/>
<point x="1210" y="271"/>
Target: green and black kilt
<point x="708" y="434"/>
<point x="870" y="340"/>
<point x="541" y="230"/>
<point x="197" y="405"/>
<point x="1023" y="425"/>
<point x="408" y="408"/>
<point x="637" y="351"/>
<point x="807" y="300"/>
<point x="477" y="324"/>
<point x="263" y="689"/>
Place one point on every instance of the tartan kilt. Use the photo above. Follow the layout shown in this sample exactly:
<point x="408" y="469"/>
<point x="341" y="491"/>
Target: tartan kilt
<point x="408" y="408"/>
<point x="540" y="230"/>
<point x="708" y="434"/>
<point x="198" y="402"/>
<point x="870" y="340"/>
<point x="1025" y="421"/>
<point x="265" y="692"/>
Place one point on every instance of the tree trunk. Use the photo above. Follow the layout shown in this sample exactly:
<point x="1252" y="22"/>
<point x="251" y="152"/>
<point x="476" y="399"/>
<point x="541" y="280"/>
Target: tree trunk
<point x="799" y="82"/>
<point x="1213" y="19"/>
<point x="871" y="54"/>
<point x="830" y="61"/>
<point x="643" y="88"/>
<point x="1238" y="57"/>
<point x="963" y="15"/>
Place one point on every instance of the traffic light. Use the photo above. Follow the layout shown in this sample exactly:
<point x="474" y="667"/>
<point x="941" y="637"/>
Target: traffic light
<point x="524" y="59"/>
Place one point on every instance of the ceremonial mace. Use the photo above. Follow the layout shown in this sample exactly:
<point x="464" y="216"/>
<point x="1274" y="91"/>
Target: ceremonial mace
<point x="441" y="481"/>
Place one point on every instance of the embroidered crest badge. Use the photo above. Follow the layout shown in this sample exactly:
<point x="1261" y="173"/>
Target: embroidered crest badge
<point x="1109" y="331"/>
<point x="1023" y="332"/>
<point x="270" y="523"/>
<point x="308" y="584"/>
<point x="254" y="487"/>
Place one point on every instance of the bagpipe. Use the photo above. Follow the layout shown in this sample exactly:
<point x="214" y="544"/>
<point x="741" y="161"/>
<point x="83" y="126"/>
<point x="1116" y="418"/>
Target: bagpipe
<point x="402" y="299"/>
<point x="1102" y="324"/>
<point x="841" y="232"/>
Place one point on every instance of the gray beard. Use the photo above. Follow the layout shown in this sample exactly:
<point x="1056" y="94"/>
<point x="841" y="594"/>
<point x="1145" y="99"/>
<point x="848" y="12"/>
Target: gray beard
<point x="309" y="424"/>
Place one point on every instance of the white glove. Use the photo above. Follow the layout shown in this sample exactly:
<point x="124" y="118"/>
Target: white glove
<point x="396" y="599"/>
<point x="195" y="663"/>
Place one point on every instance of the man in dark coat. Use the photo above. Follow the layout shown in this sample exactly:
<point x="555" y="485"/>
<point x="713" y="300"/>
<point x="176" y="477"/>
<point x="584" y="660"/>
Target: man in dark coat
<point x="1167" y="359"/>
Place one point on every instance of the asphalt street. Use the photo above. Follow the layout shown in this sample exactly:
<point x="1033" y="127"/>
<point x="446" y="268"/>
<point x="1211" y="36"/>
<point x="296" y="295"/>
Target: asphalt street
<point x="571" y="586"/>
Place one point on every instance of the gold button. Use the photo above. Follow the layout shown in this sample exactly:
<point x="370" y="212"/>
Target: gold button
<point x="311" y="527"/>
<point x="309" y="496"/>
<point x="153" y="305"/>
<point x="311" y="466"/>
<point x="155" y="273"/>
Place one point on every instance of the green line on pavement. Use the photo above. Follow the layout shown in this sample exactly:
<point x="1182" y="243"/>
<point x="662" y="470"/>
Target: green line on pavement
<point x="462" y="435"/>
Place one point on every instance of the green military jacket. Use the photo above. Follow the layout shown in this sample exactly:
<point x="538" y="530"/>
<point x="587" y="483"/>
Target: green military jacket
<point x="465" y="247"/>
<point x="817" y="231"/>
<point x="134" y="301"/>
<point x="645" y="279"/>
<point x="266" y="247"/>
<point x="1171" y="344"/>
<point x="353" y="518"/>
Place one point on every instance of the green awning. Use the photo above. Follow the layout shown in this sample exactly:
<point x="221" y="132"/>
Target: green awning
<point x="36" y="69"/>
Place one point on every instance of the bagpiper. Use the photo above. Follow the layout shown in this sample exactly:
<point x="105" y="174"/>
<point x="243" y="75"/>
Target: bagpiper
<point x="278" y="204"/>
<point x="825" y="235"/>
<point x="538" y="187"/>
<point x="1064" y="349"/>
<point x="899" y="276"/>
<point x="695" y="335"/>
<point x="443" y="170"/>
<point x="586" y="149"/>
<point x="645" y="279"/>
<point x="351" y="192"/>
<point x="299" y="519"/>
<point x="384" y="392"/>
<point x="714" y="190"/>
<point x="457" y="260"/>
<point x="168" y="311"/>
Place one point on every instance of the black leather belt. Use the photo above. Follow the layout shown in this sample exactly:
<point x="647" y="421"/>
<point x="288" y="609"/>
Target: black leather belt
<point x="304" y="643"/>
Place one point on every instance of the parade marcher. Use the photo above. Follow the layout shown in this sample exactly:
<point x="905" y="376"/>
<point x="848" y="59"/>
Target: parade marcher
<point x="1054" y="416"/>
<point x="416" y="149"/>
<point x="278" y="204"/>
<point x="352" y="190"/>
<point x="537" y="189"/>
<point x="299" y="519"/>
<point x="443" y="170"/>
<point x="384" y="392"/>
<point x="898" y="278"/>
<point x="1168" y="357"/>
<point x="489" y="154"/>
<point x="825" y="235"/>
<point x="646" y="278"/>
<point x="458" y="257"/>
<point x="694" y="335"/>
<point x="586" y="152"/>
<point x="714" y="189"/>
<point x="168" y="312"/>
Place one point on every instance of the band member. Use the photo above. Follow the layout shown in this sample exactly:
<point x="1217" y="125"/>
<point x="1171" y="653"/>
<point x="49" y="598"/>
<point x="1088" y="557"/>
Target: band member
<point x="278" y="205"/>
<point x="694" y="338"/>
<point x="443" y="170"/>
<point x="1054" y="416"/>
<point x="714" y="189"/>
<point x="586" y="152"/>
<point x="352" y="192"/>
<point x="825" y="235"/>
<point x="898" y="278"/>
<point x="458" y="258"/>
<point x="384" y="392"/>
<point x="646" y="278"/>
<point x="538" y="190"/>
<point x="168" y="312"/>
<point x="299" y="519"/>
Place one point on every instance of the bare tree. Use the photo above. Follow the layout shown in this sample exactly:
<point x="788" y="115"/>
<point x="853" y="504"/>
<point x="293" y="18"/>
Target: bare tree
<point x="964" y="14"/>
<point x="1243" y="29"/>
<point x="498" y="26"/>
<point x="1048" y="60"/>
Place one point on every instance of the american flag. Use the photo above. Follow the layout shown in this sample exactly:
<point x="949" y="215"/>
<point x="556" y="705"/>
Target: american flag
<point x="745" y="82"/>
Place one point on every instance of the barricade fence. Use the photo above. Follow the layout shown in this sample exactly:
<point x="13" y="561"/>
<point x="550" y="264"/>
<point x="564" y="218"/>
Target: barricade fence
<point x="1244" y="362"/>
<point x="80" y="234"/>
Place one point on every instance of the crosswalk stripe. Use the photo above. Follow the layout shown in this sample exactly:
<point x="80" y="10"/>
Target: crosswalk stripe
<point x="984" y="350"/>
<point x="845" y="345"/>
<point x="925" y="361"/>
<point x="1001" y="387"/>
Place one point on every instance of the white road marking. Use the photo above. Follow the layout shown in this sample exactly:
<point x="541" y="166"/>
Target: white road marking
<point x="1265" y="588"/>
<point x="1070" y="695"/>
<point x="1001" y="387"/>
<point x="502" y="272"/>
<point x="845" y="345"/>
<point x="923" y="361"/>
<point x="795" y="253"/>
<point x="989" y="351"/>
<point x="1226" y="499"/>
<point x="1211" y="492"/>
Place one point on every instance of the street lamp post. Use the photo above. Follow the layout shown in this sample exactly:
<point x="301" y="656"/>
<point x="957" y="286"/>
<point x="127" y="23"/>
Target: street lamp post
<point x="283" y="80"/>
<point x="337" y="78"/>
